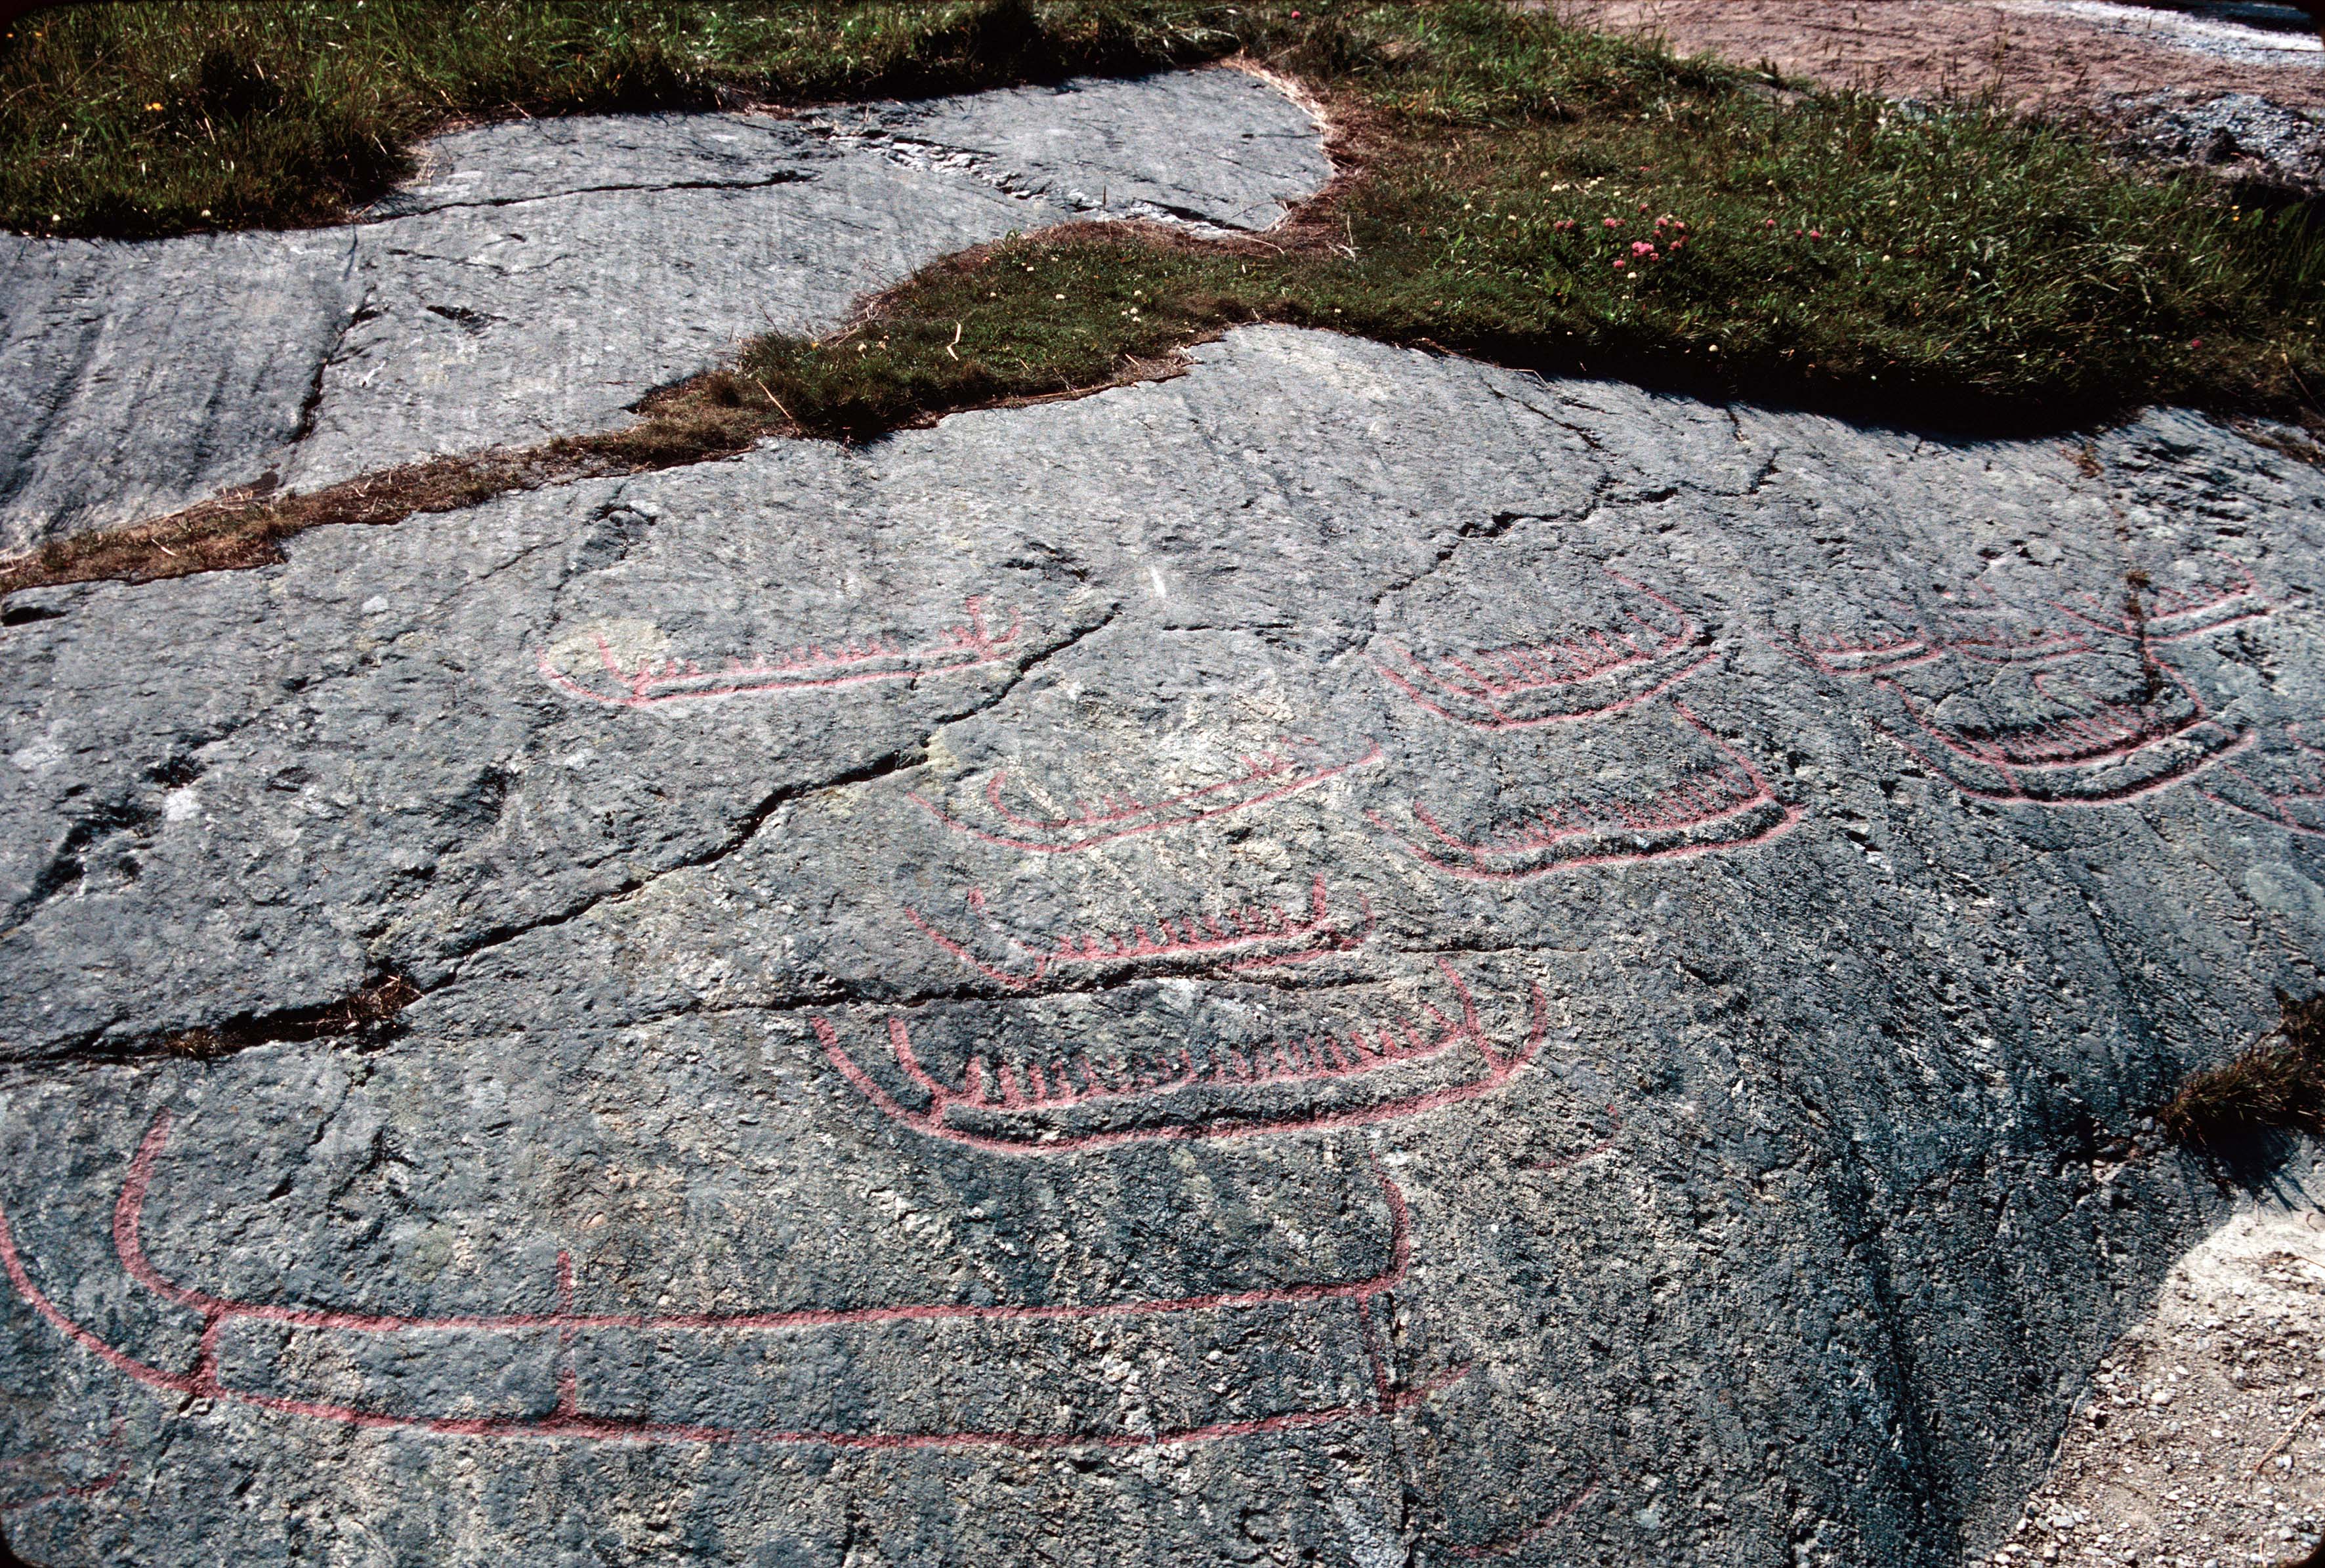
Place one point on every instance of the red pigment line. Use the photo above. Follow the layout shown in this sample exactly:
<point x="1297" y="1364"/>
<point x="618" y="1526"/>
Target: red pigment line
<point x="2280" y="817"/>
<point x="1526" y="1537"/>
<point x="1291" y="1065"/>
<point x="2174" y="605"/>
<point x="1501" y="721"/>
<point x="2310" y="789"/>
<point x="154" y="1376"/>
<point x="1255" y="929"/>
<point x="2103" y="737"/>
<point x="1775" y="831"/>
<point x="217" y="1311"/>
<point x="2148" y="632"/>
<point x="58" y="1494"/>
<point x="1544" y="666"/>
<point x="205" y="1354"/>
<point x="569" y="1380"/>
<point x="1550" y="833"/>
<point x="2112" y="797"/>
<point x="931" y="1119"/>
<point x="1762" y="796"/>
<point x="980" y="646"/>
<point x="1905" y="654"/>
<point x="564" y="1423"/>
<point x="1530" y="663"/>
<point x="1092" y="841"/>
<point x="1302" y="955"/>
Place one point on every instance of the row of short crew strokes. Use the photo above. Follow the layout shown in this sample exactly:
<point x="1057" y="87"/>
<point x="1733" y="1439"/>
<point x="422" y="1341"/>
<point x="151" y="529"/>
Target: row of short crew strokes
<point x="1037" y="1102"/>
<point x="2093" y="747"/>
<point x="1490" y="688"/>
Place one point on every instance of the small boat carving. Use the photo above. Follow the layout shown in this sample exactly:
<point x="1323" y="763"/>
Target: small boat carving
<point x="1065" y="1101"/>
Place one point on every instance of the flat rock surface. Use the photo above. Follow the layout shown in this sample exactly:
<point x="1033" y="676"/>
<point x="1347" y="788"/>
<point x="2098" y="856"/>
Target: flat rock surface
<point x="538" y="278"/>
<point x="1348" y="958"/>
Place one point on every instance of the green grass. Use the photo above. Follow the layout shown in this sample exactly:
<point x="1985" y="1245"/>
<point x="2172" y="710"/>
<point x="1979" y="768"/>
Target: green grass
<point x="1828" y="248"/>
<point x="1836" y="250"/>
<point x="162" y="118"/>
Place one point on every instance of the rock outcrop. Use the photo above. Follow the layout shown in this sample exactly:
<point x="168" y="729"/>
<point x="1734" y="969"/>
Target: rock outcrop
<point x="1351" y="957"/>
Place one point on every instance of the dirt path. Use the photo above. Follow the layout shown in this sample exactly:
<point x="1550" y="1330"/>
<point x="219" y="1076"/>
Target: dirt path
<point x="2201" y="1443"/>
<point x="2053" y="57"/>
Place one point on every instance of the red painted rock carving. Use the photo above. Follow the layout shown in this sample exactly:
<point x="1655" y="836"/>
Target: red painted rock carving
<point x="1270" y="776"/>
<point x="1886" y="653"/>
<point x="2175" y="614"/>
<point x="570" y="1420"/>
<point x="1977" y="627"/>
<point x="31" y="1480"/>
<point x="1725" y="807"/>
<point x="2088" y="748"/>
<point x="2110" y="721"/>
<point x="1065" y="1103"/>
<point x="2289" y="795"/>
<point x="1241" y="939"/>
<point x="1523" y="685"/>
<point x="811" y="667"/>
<point x="1523" y="1538"/>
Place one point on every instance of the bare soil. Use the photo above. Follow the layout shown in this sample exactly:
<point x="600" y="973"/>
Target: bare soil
<point x="2202" y="1445"/>
<point x="2055" y="58"/>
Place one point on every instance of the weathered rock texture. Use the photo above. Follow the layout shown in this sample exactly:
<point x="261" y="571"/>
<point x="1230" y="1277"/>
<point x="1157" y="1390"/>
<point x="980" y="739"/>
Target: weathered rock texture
<point x="1350" y="958"/>
<point x="540" y="277"/>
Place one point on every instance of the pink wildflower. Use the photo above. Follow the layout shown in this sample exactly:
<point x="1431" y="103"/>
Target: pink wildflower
<point x="1816" y="233"/>
<point x="1620" y="264"/>
<point x="1768" y="222"/>
<point x="1614" y="223"/>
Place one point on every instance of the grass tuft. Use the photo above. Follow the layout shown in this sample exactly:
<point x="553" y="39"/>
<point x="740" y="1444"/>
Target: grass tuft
<point x="2278" y="1086"/>
<point x="246" y="528"/>
<point x="1569" y="202"/>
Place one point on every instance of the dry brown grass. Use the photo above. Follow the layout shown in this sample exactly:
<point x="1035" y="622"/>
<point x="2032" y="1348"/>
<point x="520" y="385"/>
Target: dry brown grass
<point x="246" y="528"/>
<point x="2277" y="1086"/>
<point x="368" y="1012"/>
